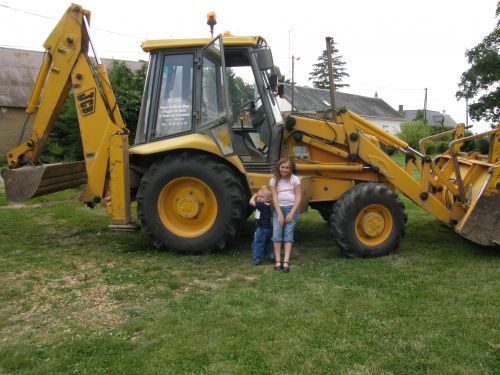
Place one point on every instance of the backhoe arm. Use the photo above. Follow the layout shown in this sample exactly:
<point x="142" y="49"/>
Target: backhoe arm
<point x="66" y="65"/>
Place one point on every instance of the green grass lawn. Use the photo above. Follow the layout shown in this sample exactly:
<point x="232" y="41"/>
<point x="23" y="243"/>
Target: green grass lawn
<point x="77" y="298"/>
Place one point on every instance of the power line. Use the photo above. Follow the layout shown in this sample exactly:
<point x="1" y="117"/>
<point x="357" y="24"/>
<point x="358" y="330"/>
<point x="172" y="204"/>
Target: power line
<point x="54" y="19"/>
<point x="25" y="11"/>
<point x="142" y="38"/>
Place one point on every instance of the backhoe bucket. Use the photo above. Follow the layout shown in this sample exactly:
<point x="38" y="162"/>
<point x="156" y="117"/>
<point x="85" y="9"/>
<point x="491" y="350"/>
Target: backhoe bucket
<point x="32" y="181"/>
<point x="481" y="223"/>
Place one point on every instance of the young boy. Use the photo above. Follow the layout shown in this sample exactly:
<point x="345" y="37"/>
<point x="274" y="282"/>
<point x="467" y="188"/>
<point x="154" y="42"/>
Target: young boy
<point x="262" y="245"/>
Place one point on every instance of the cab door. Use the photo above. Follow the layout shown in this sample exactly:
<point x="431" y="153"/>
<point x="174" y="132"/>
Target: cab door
<point x="214" y="109"/>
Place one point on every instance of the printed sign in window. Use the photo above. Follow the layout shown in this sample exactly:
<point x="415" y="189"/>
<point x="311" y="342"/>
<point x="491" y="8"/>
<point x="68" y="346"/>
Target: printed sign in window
<point x="175" y="107"/>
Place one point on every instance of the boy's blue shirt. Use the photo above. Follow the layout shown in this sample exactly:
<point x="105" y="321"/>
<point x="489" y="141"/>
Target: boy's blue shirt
<point x="263" y="215"/>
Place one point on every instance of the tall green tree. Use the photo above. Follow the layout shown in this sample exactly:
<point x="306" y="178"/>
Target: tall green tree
<point x="64" y="142"/>
<point x="481" y="82"/>
<point x="128" y="86"/>
<point x="319" y="74"/>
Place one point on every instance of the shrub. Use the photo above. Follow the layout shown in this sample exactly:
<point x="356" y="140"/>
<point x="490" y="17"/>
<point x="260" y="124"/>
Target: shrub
<point x="387" y="149"/>
<point x="470" y="145"/>
<point x="413" y="131"/>
<point x="442" y="146"/>
<point x="483" y="146"/>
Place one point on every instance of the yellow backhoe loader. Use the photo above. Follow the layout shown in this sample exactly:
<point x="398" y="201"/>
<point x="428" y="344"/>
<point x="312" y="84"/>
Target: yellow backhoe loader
<point x="209" y="133"/>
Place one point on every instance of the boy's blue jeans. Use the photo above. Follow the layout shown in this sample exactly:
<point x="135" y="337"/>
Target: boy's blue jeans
<point x="262" y="245"/>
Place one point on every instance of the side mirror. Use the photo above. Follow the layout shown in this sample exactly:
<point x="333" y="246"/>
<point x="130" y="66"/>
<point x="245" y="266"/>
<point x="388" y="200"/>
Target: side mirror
<point x="274" y="77"/>
<point x="264" y="58"/>
<point x="281" y="90"/>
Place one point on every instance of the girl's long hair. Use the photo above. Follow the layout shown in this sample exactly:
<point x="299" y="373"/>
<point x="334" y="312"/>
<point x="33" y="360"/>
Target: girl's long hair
<point x="276" y="170"/>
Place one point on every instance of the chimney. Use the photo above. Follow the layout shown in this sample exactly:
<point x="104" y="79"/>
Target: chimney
<point x="400" y="110"/>
<point x="444" y="112"/>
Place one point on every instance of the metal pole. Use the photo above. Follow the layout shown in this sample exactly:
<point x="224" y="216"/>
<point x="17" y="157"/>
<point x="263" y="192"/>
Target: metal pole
<point x="425" y="105"/>
<point x="289" y="49"/>
<point x="293" y="81"/>
<point x="330" y="74"/>
<point x="466" y="112"/>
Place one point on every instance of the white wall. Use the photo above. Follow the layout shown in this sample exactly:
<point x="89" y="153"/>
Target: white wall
<point x="392" y="126"/>
<point x="284" y="105"/>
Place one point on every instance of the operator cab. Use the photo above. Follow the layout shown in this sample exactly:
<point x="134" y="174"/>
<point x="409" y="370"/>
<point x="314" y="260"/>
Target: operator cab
<point x="224" y="90"/>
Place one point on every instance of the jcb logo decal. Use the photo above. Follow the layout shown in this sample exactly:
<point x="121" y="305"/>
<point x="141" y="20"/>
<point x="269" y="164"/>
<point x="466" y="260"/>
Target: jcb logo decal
<point x="86" y="102"/>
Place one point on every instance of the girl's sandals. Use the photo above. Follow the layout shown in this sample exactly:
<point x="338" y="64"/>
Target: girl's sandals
<point x="278" y="265"/>
<point x="287" y="267"/>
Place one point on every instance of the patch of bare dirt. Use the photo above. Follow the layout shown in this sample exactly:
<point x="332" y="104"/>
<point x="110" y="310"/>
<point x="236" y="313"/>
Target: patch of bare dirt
<point x="65" y="304"/>
<point x="18" y="206"/>
<point x="211" y="284"/>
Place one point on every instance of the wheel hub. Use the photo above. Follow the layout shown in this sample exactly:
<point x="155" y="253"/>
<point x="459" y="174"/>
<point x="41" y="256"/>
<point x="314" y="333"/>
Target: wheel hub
<point x="372" y="224"/>
<point x="188" y="206"/>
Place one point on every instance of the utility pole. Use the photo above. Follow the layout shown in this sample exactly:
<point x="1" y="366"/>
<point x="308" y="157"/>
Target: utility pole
<point x="293" y="79"/>
<point x="425" y="106"/>
<point x="289" y="49"/>
<point x="466" y="111"/>
<point x="330" y="73"/>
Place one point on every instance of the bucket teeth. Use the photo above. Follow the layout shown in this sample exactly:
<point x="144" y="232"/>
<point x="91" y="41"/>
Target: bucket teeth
<point x="482" y="223"/>
<point x="32" y="181"/>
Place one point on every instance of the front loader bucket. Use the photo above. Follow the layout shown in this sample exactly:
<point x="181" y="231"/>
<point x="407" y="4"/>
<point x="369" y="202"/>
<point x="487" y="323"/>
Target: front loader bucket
<point x="32" y="181"/>
<point x="481" y="223"/>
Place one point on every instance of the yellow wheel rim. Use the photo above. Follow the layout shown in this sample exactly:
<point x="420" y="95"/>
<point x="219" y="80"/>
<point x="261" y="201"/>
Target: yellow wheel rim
<point x="187" y="207"/>
<point x="373" y="225"/>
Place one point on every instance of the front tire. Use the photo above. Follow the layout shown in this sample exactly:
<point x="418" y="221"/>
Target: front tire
<point x="368" y="221"/>
<point x="190" y="203"/>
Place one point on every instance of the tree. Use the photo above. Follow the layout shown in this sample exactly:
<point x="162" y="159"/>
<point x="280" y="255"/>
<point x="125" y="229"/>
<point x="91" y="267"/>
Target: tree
<point x="64" y="142"/>
<point x="128" y="86"/>
<point x="319" y="75"/>
<point x="413" y="131"/>
<point x="419" y="116"/>
<point x="240" y="92"/>
<point x="482" y="79"/>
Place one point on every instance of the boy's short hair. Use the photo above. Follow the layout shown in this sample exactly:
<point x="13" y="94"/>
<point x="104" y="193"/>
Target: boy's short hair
<point x="265" y="191"/>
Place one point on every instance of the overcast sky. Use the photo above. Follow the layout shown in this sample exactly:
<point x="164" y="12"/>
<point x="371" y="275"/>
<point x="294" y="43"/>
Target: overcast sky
<point x="396" y="48"/>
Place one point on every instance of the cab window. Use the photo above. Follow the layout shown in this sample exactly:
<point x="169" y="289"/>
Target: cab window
<point x="175" y="106"/>
<point x="213" y="98"/>
<point x="249" y="123"/>
<point x="211" y="102"/>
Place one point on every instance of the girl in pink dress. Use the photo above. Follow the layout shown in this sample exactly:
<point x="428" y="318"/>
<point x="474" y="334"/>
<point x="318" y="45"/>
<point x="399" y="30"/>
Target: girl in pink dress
<point x="285" y="188"/>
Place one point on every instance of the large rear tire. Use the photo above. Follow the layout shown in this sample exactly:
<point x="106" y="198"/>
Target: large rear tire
<point x="368" y="221"/>
<point x="190" y="203"/>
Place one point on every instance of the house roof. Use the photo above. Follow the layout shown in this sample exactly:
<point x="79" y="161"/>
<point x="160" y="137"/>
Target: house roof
<point x="433" y="118"/>
<point x="308" y="99"/>
<point x="20" y="69"/>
